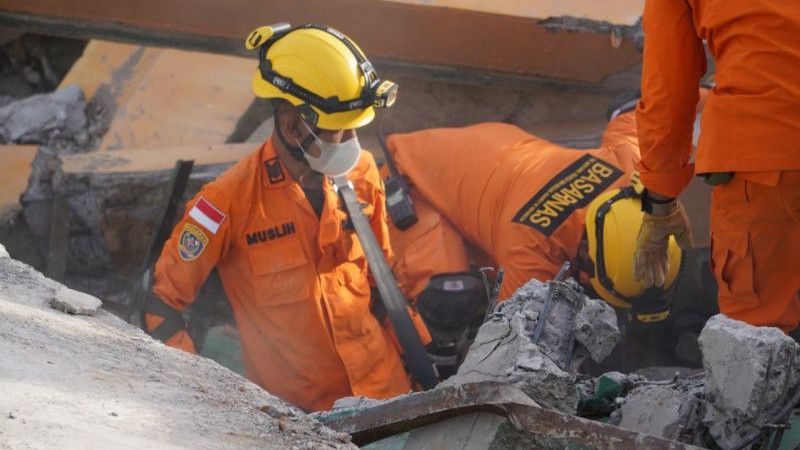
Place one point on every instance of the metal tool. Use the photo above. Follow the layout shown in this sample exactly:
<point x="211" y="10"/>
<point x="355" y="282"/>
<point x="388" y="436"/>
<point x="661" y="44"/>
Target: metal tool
<point x="548" y="303"/>
<point x="491" y="292"/>
<point x="178" y="184"/>
<point x="398" y="195"/>
<point x="414" y="353"/>
<point x="498" y="283"/>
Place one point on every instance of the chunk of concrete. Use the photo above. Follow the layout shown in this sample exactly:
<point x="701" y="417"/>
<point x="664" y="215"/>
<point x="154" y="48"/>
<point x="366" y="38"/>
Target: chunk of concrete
<point x="596" y="329"/>
<point x="75" y="302"/>
<point x="36" y="119"/>
<point x="3" y="252"/>
<point x="504" y="350"/>
<point x="750" y="375"/>
<point x="665" y="411"/>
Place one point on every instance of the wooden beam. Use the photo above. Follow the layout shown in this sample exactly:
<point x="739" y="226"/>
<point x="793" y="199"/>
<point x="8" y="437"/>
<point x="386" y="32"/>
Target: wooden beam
<point x="390" y="32"/>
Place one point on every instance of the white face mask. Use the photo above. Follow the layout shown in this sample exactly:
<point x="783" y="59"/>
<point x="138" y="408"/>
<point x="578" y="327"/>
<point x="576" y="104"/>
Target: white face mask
<point x="334" y="160"/>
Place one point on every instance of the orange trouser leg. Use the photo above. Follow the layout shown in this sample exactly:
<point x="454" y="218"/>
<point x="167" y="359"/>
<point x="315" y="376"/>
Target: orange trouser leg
<point x="755" y="233"/>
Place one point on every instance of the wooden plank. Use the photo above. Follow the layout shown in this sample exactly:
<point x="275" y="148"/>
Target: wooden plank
<point x="14" y="171"/>
<point x="183" y="98"/>
<point x="613" y="11"/>
<point x="389" y="31"/>
<point x="153" y="159"/>
<point x="103" y="63"/>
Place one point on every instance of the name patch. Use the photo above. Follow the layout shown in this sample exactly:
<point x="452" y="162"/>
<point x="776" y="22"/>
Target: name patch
<point x="192" y="242"/>
<point x="573" y="188"/>
<point x="271" y="234"/>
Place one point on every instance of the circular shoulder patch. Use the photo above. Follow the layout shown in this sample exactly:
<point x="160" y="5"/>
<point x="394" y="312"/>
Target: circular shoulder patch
<point x="192" y="242"/>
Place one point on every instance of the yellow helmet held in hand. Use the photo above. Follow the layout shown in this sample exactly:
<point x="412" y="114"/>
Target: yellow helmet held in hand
<point x="321" y="72"/>
<point x="613" y="220"/>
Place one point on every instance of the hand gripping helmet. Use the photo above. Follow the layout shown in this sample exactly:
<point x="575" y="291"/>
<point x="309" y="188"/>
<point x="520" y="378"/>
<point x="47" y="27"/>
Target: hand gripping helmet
<point x="613" y="220"/>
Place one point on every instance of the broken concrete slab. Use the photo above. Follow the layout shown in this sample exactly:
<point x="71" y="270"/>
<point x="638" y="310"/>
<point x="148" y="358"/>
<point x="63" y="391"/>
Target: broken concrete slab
<point x="596" y="329"/>
<point x="37" y="119"/>
<point x="14" y="171"/>
<point x="665" y="411"/>
<point x="504" y="351"/>
<point x="75" y="302"/>
<point x="751" y="372"/>
<point x="97" y="382"/>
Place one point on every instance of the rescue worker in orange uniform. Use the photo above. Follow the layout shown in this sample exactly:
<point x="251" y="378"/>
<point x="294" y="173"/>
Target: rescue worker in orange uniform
<point x="531" y="205"/>
<point x="275" y="230"/>
<point x="519" y="198"/>
<point x="749" y="148"/>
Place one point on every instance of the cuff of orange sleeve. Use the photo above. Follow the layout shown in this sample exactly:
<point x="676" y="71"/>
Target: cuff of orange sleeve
<point x="179" y="340"/>
<point x="669" y="184"/>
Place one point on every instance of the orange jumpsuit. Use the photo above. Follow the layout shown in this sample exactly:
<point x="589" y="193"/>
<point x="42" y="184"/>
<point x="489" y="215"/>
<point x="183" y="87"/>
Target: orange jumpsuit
<point x="519" y="198"/>
<point x="750" y="126"/>
<point x="298" y="285"/>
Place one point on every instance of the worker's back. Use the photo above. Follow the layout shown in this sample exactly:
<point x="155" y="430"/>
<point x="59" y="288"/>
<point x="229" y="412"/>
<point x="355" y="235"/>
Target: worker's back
<point x="520" y="198"/>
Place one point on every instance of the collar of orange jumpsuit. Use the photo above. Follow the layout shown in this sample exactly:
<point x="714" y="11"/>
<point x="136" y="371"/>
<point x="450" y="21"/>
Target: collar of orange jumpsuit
<point x="298" y="284"/>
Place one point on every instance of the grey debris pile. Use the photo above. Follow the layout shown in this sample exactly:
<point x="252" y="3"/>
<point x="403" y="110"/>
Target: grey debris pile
<point x="504" y="351"/>
<point x="75" y="302"/>
<point x="36" y="119"/>
<point x="750" y="375"/>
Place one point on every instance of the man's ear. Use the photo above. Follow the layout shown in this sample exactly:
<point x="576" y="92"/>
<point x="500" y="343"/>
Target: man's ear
<point x="289" y="123"/>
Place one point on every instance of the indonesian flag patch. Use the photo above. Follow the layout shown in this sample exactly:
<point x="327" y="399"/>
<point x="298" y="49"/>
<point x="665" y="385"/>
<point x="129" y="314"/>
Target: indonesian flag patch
<point x="207" y="215"/>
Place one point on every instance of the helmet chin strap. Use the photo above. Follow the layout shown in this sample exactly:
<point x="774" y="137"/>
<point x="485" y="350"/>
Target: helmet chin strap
<point x="295" y="150"/>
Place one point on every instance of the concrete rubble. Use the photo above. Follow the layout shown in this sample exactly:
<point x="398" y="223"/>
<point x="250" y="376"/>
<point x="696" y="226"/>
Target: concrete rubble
<point x="751" y="372"/>
<point x="504" y="351"/>
<point x="670" y="411"/>
<point x="96" y="382"/>
<point x="71" y="301"/>
<point x="38" y="118"/>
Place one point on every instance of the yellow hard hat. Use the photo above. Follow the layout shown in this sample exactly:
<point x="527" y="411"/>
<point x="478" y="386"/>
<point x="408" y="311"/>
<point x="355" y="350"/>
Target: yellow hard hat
<point x="320" y="71"/>
<point x="613" y="220"/>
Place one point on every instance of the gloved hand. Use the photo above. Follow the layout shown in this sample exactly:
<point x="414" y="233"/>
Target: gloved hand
<point x="651" y="262"/>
